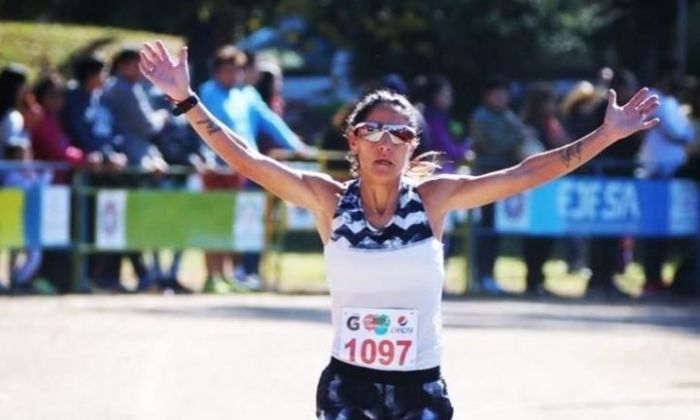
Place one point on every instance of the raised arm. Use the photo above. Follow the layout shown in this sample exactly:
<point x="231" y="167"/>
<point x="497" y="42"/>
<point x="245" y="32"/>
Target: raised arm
<point x="314" y="191"/>
<point x="451" y="192"/>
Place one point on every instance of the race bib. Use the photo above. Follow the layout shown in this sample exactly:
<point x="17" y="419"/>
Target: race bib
<point x="380" y="338"/>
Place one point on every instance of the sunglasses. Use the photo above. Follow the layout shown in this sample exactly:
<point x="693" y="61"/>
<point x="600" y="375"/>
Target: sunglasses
<point x="374" y="131"/>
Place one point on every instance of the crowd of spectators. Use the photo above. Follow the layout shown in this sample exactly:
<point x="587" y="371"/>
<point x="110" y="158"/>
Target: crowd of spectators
<point x="108" y="120"/>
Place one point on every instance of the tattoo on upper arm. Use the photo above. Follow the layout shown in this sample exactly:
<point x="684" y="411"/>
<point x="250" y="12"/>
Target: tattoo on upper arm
<point x="572" y="153"/>
<point x="210" y="126"/>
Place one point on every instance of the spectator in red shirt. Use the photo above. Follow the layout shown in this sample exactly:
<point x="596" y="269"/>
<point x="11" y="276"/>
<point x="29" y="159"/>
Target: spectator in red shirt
<point x="49" y="139"/>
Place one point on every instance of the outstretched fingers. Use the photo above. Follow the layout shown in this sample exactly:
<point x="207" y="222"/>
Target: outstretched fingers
<point x="638" y="97"/>
<point x="650" y="123"/>
<point x="646" y="108"/>
<point x="152" y="52"/>
<point x="182" y="56"/>
<point x="651" y="102"/>
<point x="163" y="51"/>
<point x="147" y="63"/>
<point x="146" y="59"/>
<point x="146" y="69"/>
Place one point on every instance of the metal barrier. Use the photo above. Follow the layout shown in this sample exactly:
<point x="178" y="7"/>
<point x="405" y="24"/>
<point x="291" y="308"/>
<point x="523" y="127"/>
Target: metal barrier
<point x="583" y="205"/>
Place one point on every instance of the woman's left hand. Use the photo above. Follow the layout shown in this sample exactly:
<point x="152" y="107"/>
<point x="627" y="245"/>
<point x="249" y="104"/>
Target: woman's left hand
<point x="636" y="114"/>
<point x="169" y="75"/>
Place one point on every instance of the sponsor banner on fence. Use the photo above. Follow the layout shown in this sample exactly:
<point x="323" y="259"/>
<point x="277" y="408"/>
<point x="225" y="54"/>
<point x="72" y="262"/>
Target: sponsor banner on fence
<point x="110" y="232"/>
<point x="55" y="216"/>
<point x="248" y="228"/>
<point x="597" y="206"/>
<point x="12" y="217"/>
<point x="180" y="219"/>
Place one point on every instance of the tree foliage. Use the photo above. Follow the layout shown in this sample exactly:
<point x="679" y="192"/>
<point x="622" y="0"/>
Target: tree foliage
<point x="466" y="40"/>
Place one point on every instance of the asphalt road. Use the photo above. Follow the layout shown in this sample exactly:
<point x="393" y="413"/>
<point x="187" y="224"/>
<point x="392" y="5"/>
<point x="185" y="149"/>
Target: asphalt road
<point x="259" y="357"/>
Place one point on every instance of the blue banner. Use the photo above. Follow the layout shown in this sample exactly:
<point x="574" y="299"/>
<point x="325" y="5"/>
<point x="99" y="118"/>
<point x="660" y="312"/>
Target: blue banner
<point x="604" y="207"/>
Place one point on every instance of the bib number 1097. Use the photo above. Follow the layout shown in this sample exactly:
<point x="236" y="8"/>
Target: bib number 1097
<point x="385" y="352"/>
<point x="379" y="338"/>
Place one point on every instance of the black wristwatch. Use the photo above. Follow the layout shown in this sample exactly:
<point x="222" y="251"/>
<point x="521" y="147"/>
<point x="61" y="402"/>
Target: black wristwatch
<point x="184" y="106"/>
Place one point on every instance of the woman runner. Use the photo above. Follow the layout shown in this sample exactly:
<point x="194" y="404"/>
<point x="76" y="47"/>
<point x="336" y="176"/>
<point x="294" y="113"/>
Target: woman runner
<point x="382" y="236"/>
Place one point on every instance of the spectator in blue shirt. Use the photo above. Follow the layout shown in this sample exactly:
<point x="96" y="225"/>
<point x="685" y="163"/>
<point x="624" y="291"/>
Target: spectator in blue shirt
<point x="239" y="106"/>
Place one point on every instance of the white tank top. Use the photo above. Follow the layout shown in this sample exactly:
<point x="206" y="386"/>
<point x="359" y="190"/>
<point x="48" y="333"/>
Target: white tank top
<point x="399" y="266"/>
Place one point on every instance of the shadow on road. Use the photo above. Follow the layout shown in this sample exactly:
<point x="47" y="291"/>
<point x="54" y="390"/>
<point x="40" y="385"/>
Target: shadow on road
<point x="477" y="314"/>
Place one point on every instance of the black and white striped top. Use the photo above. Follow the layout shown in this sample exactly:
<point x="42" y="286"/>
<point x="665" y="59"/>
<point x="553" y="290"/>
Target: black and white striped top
<point x="408" y="225"/>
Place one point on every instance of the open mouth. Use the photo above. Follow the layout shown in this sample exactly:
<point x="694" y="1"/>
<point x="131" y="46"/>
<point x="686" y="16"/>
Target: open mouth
<point x="383" y="162"/>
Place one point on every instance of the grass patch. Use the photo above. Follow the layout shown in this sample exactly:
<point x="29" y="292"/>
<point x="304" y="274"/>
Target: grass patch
<point x="44" y="46"/>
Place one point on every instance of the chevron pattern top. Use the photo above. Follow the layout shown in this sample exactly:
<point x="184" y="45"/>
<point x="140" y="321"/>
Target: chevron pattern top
<point x="408" y="225"/>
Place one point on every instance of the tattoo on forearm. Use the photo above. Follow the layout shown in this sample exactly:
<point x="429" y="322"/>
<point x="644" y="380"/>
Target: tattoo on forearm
<point x="572" y="154"/>
<point x="210" y="126"/>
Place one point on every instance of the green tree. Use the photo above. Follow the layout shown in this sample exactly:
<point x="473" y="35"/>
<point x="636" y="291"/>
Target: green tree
<point x="466" y="40"/>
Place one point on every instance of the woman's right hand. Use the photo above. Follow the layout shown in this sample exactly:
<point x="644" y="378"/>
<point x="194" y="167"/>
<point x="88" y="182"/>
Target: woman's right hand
<point x="173" y="78"/>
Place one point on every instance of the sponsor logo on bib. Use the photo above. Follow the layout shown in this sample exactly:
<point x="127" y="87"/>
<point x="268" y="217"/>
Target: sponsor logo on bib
<point x="377" y="323"/>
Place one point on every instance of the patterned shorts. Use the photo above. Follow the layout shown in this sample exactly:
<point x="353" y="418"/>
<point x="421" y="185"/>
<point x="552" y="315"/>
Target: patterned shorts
<point x="342" y="395"/>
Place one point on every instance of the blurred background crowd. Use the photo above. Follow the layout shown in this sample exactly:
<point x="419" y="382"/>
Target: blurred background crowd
<point x="517" y="79"/>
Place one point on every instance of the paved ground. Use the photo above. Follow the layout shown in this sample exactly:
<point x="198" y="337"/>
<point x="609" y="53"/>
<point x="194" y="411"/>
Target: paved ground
<point x="259" y="356"/>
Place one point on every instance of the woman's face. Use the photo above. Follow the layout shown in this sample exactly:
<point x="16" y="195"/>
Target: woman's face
<point x="230" y="75"/>
<point x="97" y="80"/>
<point x="497" y="99"/>
<point x="382" y="160"/>
<point x="130" y="70"/>
<point x="53" y="100"/>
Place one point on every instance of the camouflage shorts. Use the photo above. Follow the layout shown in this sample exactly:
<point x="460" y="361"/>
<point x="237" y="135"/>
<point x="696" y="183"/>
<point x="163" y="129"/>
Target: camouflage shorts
<point x="343" y="396"/>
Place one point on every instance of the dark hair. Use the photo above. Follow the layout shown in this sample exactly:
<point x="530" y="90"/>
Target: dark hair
<point x="12" y="78"/>
<point x="87" y="66"/>
<point x="124" y="56"/>
<point x="694" y="97"/>
<point x="376" y="98"/>
<point x="537" y="95"/>
<point x="251" y="58"/>
<point x="266" y="86"/>
<point x="47" y="84"/>
<point x="269" y="74"/>
<point x="494" y="82"/>
<point x="418" y="89"/>
<point x="419" y="167"/>
<point x="395" y="83"/>
<point x="228" y="54"/>
<point x="14" y="151"/>
<point x="623" y="78"/>
<point x="667" y="68"/>
<point x="668" y="77"/>
<point x="433" y="86"/>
